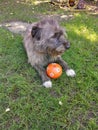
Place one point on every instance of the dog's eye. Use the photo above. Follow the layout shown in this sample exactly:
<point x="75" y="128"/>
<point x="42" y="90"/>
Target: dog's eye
<point x="57" y="35"/>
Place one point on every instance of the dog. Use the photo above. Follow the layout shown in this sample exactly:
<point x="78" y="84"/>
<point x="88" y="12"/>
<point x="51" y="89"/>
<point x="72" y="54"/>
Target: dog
<point x="45" y="41"/>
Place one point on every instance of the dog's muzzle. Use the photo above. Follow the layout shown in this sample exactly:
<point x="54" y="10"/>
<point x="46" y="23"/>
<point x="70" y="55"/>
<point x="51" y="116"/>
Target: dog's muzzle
<point x="61" y="48"/>
<point x="66" y="45"/>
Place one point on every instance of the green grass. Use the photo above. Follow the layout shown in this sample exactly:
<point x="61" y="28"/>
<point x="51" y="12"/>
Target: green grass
<point x="32" y="107"/>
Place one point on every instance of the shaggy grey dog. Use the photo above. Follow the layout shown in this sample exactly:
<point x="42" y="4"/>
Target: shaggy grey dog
<point x="44" y="43"/>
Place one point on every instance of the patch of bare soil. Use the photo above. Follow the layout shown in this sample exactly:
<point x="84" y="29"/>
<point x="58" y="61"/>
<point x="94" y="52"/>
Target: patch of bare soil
<point x="92" y="6"/>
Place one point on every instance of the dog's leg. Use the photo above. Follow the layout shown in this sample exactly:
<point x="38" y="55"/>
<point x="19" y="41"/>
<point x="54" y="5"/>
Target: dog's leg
<point x="45" y="79"/>
<point x="69" y="72"/>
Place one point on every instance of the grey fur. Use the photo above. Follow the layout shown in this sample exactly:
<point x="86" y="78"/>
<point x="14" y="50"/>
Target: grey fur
<point x="44" y="43"/>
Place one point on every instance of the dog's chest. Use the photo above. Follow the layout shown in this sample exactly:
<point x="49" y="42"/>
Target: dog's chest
<point x="42" y="59"/>
<point x="49" y="59"/>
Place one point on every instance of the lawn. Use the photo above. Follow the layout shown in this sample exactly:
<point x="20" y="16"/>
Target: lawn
<point x="72" y="103"/>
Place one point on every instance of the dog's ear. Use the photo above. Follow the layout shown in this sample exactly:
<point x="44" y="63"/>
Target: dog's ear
<point x="36" y="32"/>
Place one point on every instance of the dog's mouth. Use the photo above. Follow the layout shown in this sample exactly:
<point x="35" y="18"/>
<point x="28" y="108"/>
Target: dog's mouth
<point x="60" y="49"/>
<point x="56" y="53"/>
<point x="61" y="52"/>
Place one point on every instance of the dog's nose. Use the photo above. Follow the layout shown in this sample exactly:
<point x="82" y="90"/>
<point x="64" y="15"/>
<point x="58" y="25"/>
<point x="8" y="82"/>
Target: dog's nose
<point x="67" y="45"/>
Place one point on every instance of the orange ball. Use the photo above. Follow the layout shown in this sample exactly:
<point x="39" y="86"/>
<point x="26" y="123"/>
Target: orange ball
<point x="54" y="70"/>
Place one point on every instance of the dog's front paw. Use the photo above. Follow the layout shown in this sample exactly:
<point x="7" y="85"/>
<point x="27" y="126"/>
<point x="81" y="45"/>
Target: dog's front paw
<point x="71" y="73"/>
<point x="47" y="84"/>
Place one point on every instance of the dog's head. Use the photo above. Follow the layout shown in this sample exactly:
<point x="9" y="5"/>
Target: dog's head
<point x="54" y="37"/>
